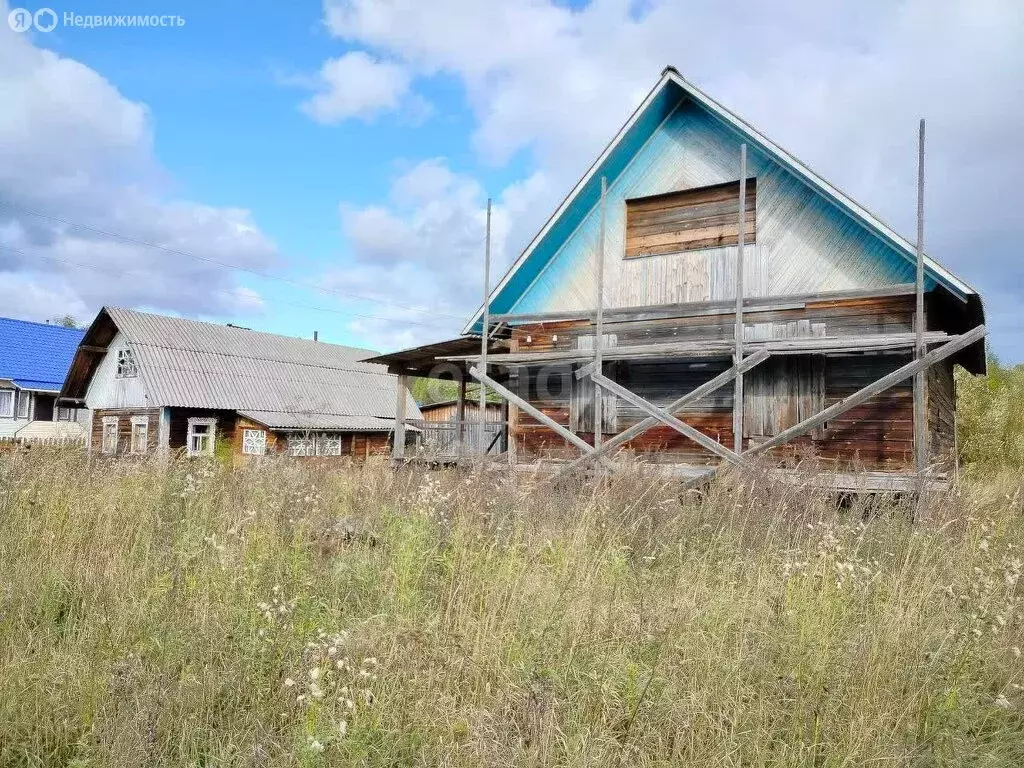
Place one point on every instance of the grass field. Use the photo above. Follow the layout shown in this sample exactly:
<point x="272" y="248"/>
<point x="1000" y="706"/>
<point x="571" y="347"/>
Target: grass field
<point x="199" y="616"/>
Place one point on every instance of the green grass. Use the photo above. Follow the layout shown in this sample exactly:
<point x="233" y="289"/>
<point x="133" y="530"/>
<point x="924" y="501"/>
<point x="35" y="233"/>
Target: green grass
<point x="175" y="615"/>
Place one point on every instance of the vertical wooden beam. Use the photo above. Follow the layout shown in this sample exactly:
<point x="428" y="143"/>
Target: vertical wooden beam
<point x="486" y="329"/>
<point x="737" y="396"/>
<point x="599" y="322"/>
<point x="460" y="414"/>
<point x="398" y="449"/>
<point x="920" y="404"/>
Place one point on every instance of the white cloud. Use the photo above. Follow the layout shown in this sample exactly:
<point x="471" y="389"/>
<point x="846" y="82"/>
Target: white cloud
<point x="75" y="150"/>
<point x="425" y="248"/>
<point x="356" y="85"/>
<point x="840" y="85"/>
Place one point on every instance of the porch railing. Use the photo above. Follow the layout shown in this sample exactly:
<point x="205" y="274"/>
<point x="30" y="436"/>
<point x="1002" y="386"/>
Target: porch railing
<point x="454" y="439"/>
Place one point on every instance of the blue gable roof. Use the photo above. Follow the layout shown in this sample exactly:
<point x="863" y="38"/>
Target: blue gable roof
<point x="36" y="355"/>
<point x="674" y="113"/>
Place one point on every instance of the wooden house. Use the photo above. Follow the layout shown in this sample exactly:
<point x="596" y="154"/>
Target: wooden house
<point x="34" y="358"/>
<point x="155" y="383"/>
<point x="619" y="327"/>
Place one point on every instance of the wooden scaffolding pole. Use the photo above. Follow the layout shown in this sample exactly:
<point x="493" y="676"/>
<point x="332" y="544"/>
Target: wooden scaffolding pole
<point x="737" y="396"/>
<point x="402" y="395"/>
<point x="920" y="402"/>
<point x="691" y="397"/>
<point x="599" y="323"/>
<point x="484" y="340"/>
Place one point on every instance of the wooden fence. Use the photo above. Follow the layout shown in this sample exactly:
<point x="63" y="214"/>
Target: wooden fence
<point x="454" y="439"/>
<point x="14" y="443"/>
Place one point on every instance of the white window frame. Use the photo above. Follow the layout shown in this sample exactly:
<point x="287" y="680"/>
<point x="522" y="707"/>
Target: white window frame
<point x="23" y="402"/>
<point x="200" y="421"/>
<point x="7" y="412"/>
<point x="254" y="442"/>
<point x="135" y="448"/>
<point x="127" y="366"/>
<point x="301" y="445"/>
<point x="59" y="412"/>
<point x="328" y="444"/>
<point x="110" y="421"/>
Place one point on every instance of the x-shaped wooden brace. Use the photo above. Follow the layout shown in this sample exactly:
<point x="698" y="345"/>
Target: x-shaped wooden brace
<point x="665" y="415"/>
<point x="951" y="347"/>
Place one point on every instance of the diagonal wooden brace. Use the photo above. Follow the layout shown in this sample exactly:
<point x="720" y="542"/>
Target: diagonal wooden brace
<point x="667" y="418"/>
<point x="538" y="414"/>
<point x="690" y="397"/>
<point x="862" y="395"/>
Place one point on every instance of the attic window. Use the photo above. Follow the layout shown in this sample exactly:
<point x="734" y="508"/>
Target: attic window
<point x="691" y="220"/>
<point x="127" y="368"/>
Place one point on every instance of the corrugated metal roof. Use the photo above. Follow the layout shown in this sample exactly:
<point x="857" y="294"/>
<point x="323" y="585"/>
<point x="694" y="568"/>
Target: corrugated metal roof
<point x="36" y="355"/>
<point x="191" y="364"/>
<point x="320" y="421"/>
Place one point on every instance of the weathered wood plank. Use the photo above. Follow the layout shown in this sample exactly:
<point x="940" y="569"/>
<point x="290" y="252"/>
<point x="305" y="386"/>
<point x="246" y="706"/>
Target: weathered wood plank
<point x="668" y="419"/>
<point x="719" y="381"/>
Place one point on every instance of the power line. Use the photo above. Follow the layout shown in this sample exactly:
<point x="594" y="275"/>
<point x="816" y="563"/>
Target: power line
<point x="221" y="291"/>
<point x="225" y="264"/>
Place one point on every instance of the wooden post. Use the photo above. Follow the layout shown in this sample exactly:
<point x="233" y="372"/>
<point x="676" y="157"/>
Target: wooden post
<point x="486" y="329"/>
<point x="460" y="415"/>
<point x="599" y="322"/>
<point x="737" y="396"/>
<point x="920" y="403"/>
<point x="398" y="449"/>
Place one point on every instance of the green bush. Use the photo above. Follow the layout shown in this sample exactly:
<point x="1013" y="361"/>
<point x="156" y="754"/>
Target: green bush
<point x="990" y="418"/>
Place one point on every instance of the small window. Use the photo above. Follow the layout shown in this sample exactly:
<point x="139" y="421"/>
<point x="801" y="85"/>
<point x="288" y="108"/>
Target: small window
<point x="140" y="434"/>
<point x="65" y="414"/>
<point x="691" y="220"/>
<point x="24" y="404"/>
<point x="301" y="446"/>
<point x="127" y="368"/>
<point x="108" y="443"/>
<point x="6" y="402"/>
<point x="201" y="435"/>
<point x="328" y="445"/>
<point x="254" y="442"/>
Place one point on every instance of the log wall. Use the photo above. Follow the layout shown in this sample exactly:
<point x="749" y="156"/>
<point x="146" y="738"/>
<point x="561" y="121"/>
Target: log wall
<point x="877" y="435"/>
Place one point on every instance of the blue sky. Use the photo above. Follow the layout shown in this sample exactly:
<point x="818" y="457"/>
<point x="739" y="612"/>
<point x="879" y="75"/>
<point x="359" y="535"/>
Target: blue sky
<point x="351" y="144"/>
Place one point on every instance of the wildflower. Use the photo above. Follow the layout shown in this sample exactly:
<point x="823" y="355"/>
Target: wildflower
<point x="314" y="673"/>
<point x="339" y="664"/>
<point x="363" y="673"/>
<point x="349" y="704"/>
<point x="368" y="696"/>
<point x="288" y="682"/>
<point x="316" y="746"/>
<point x="316" y="691"/>
<point x="342" y="728"/>
<point x="1016" y="652"/>
<point x="372" y="661"/>
<point x="1003" y="702"/>
<point x="332" y="651"/>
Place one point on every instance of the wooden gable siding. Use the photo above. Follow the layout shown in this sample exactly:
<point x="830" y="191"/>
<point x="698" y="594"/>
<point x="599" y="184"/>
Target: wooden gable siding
<point x="805" y="243"/>
<point x="694" y="219"/>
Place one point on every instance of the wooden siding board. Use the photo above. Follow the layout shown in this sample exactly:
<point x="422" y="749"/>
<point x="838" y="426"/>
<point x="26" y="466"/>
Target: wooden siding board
<point x="805" y="243"/>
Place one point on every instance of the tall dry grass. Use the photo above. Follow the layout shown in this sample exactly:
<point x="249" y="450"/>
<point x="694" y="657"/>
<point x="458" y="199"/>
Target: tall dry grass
<point x="280" y="615"/>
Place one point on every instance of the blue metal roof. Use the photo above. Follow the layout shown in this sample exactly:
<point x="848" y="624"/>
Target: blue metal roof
<point x="36" y="355"/>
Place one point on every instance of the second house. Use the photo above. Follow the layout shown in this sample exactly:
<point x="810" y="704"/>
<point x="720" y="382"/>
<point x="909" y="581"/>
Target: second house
<point x="155" y="383"/>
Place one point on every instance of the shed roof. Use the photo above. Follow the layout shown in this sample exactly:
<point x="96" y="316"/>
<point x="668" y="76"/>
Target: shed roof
<point x="191" y="364"/>
<point x="36" y="355"/>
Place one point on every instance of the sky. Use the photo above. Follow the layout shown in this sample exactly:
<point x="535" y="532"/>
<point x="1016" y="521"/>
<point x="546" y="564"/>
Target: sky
<point x="325" y="166"/>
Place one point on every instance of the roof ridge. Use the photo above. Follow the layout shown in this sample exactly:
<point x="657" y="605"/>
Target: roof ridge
<point x="229" y="327"/>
